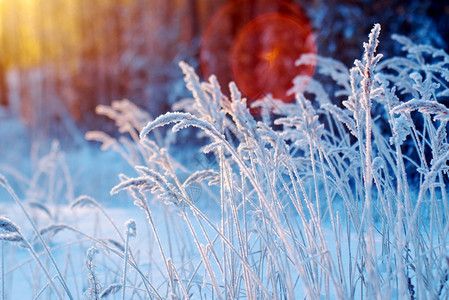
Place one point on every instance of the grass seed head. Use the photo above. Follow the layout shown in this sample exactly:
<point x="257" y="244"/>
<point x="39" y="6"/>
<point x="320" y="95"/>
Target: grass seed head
<point x="15" y="237"/>
<point x="131" y="227"/>
<point x="111" y="290"/>
<point x="8" y="226"/>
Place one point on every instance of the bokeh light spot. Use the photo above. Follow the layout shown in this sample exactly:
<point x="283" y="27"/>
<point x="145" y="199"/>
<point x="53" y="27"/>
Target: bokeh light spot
<point x="256" y="43"/>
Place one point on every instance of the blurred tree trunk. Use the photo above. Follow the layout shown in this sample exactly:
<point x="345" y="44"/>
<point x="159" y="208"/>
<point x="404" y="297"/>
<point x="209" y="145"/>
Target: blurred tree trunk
<point x="4" y="101"/>
<point x="192" y="7"/>
<point x="118" y="75"/>
<point x="88" y="79"/>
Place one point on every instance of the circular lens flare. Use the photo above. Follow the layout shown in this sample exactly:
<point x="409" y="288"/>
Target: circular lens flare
<point x="264" y="53"/>
<point x="255" y="43"/>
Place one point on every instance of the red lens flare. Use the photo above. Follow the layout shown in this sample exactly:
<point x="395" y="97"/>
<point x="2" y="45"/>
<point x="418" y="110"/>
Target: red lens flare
<point x="256" y="43"/>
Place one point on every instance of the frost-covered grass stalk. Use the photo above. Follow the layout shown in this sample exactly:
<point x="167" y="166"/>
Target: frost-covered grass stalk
<point x="5" y="184"/>
<point x="347" y="199"/>
<point x="334" y="174"/>
<point x="13" y="233"/>
<point x="130" y="232"/>
<point x="94" y="290"/>
<point x="3" y="270"/>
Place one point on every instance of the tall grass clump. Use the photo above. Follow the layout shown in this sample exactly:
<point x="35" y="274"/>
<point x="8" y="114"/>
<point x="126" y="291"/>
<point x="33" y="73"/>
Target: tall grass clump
<point x="347" y="200"/>
<point x="341" y="194"/>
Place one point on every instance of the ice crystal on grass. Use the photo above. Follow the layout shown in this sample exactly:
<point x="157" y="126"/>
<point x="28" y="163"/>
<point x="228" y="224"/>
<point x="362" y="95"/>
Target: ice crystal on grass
<point x="165" y="120"/>
<point x="440" y="111"/>
<point x="93" y="292"/>
<point x="131" y="228"/>
<point x="401" y="130"/>
<point x="202" y="175"/>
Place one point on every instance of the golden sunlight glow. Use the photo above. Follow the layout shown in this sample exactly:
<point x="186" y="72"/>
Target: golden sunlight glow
<point x="39" y="32"/>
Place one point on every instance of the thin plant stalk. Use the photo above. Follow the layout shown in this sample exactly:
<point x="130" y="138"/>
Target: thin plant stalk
<point x="125" y="265"/>
<point x="3" y="269"/>
<point x="130" y="232"/>
<point x="111" y="221"/>
<point x="41" y="265"/>
<point x="119" y="254"/>
<point x="42" y="290"/>
<point x="6" y="185"/>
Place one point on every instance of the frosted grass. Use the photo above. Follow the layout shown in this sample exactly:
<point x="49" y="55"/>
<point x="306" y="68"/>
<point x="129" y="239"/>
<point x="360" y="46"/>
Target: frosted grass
<point x="343" y="202"/>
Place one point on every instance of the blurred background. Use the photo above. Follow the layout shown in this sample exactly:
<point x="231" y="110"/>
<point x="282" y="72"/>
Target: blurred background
<point x="61" y="58"/>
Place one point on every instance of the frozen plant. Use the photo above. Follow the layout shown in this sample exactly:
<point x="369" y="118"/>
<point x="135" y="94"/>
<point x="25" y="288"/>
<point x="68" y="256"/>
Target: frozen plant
<point x="330" y="165"/>
<point x="346" y="199"/>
